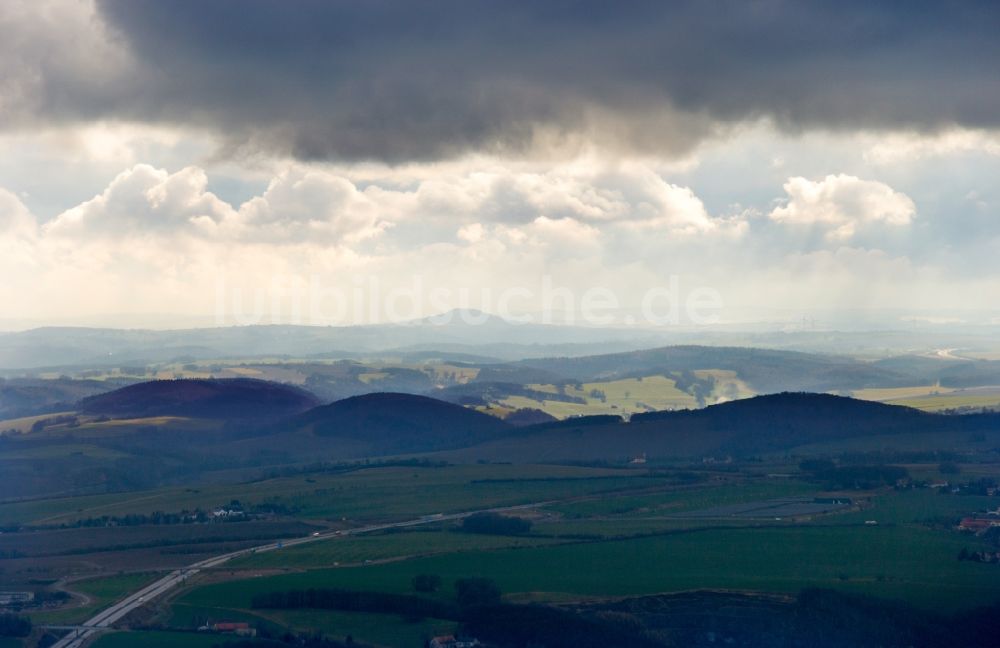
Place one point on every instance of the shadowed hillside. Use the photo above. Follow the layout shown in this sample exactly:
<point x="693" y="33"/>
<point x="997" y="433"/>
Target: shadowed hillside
<point x="394" y="422"/>
<point x="236" y="398"/>
<point x="763" y="424"/>
<point x="786" y="420"/>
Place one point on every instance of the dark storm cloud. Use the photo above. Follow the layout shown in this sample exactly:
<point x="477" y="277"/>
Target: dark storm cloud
<point x="406" y="80"/>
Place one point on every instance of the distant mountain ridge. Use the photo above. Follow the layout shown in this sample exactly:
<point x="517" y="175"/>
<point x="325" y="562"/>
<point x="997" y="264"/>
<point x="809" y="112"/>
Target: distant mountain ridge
<point x="459" y="332"/>
<point x="766" y="370"/>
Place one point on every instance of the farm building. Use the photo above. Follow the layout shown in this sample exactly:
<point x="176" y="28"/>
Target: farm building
<point x="240" y="628"/>
<point x="16" y="598"/>
<point x="977" y="524"/>
<point x="833" y="500"/>
<point x="450" y="641"/>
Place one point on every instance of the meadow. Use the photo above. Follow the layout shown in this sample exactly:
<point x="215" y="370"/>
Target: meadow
<point x="98" y="592"/>
<point x="383" y="546"/>
<point x="597" y="533"/>
<point x="918" y="566"/>
<point x="932" y="398"/>
<point x="953" y="400"/>
<point x="628" y="545"/>
<point x="683" y="500"/>
<point x="358" y="495"/>
<point x="612" y="397"/>
<point x="896" y="393"/>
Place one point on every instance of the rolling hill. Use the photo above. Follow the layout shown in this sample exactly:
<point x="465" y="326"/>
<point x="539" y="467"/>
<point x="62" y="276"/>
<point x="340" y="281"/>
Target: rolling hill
<point x="395" y="423"/>
<point x="777" y="423"/>
<point x="232" y="398"/>
<point x="765" y="370"/>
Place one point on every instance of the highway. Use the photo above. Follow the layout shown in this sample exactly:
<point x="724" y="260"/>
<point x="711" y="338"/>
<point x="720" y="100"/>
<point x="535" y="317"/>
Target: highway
<point x="111" y="615"/>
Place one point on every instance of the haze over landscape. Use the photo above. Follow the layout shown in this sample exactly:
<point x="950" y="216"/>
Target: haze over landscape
<point x="458" y="323"/>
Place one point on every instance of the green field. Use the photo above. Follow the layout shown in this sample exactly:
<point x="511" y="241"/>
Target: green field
<point x="379" y="629"/>
<point x="912" y="564"/>
<point x="672" y="502"/>
<point x="102" y="592"/>
<point x="950" y="401"/>
<point x="88" y="427"/>
<point x="918" y="506"/>
<point x="896" y="393"/>
<point x="23" y="425"/>
<point x="360" y="495"/>
<point x="357" y="549"/>
<point x="111" y="588"/>
<point x="185" y="616"/>
<point x="60" y="451"/>
<point x="619" y="397"/>
<point x="611" y="515"/>
<point x="604" y="533"/>
<point x="933" y="398"/>
<point x="630" y="395"/>
<point x="902" y="557"/>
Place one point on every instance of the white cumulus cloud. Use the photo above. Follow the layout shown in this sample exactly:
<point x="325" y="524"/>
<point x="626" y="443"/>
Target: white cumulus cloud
<point x="303" y="205"/>
<point x="143" y="201"/>
<point x="842" y="204"/>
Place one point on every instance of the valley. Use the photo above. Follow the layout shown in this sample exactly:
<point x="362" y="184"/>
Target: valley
<point x="667" y="473"/>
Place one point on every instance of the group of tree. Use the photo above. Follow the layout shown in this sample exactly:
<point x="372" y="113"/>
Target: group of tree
<point x="495" y="524"/>
<point x="949" y="468"/>
<point x="470" y="593"/>
<point x="981" y="486"/>
<point x="817" y="617"/>
<point x="356" y="601"/>
<point x="979" y="556"/>
<point x="852" y="477"/>
<point x="67" y="420"/>
<point x="267" y="639"/>
<point x="14" y="625"/>
<point x="540" y="625"/>
<point x="426" y="583"/>
<point x="142" y="519"/>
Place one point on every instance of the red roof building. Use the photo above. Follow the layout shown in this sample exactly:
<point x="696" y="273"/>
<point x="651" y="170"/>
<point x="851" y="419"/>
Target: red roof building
<point x="977" y="524"/>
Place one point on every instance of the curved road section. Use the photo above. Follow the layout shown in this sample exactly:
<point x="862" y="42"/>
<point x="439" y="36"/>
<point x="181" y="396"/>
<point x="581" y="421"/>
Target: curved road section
<point x="112" y="615"/>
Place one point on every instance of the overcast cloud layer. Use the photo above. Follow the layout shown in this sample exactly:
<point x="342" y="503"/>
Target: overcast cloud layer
<point x="793" y="157"/>
<point x="418" y="80"/>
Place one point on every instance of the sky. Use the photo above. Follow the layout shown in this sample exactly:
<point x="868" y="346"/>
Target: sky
<point x="630" y="163"/>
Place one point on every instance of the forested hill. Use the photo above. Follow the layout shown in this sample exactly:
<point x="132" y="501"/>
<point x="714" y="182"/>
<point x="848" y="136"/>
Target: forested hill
<point x="781" y="423"/>
<point x="230" y="398"/>
<point x="400" y="422"/>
